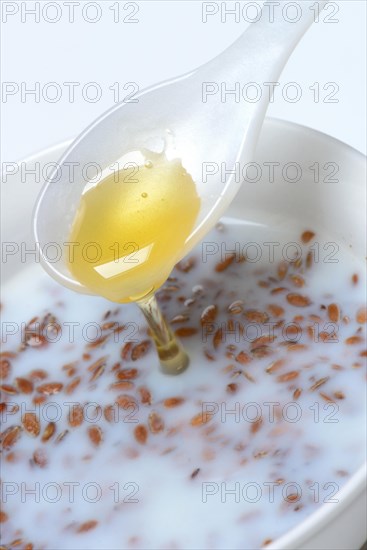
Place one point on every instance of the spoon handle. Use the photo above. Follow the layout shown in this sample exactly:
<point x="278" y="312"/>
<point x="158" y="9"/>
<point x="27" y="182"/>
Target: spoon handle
<point x="264" y="48"/>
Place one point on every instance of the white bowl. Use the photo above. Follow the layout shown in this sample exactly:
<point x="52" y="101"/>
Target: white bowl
<point x="335" y="206"/>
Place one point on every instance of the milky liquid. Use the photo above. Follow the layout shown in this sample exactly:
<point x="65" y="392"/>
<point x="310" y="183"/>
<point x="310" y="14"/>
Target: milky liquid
<point x="284" y="444"/>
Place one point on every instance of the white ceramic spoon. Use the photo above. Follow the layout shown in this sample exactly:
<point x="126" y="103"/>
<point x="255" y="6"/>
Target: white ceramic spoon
<point x="192" y="124"/>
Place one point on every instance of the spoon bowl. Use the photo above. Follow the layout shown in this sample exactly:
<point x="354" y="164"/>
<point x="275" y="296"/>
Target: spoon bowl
<point x="186" y="120"/>
<point x="175" y="120"/>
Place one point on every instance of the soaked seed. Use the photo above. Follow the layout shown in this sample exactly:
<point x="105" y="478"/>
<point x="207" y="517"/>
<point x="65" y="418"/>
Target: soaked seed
<point x="141" y="434"/>
<point x="87" y="526"/>
<point x="48" y="432"/>
<point x="10" y="436"/>
<point x="179" y="319"/>
<point x="50" y="388"/>
<point x="223" y="265"/>
<point x="186" y="265"/>
<point x="297" y="280"/>
<point x="333" y="313"/>
<point x="255" y="316"/>
<point x="243" y="358"/>
<point x="140" y="350"/>
<point x="122" y="385"/>
<point x="127" y="374"/>
<point x="353" y="340"/>
<point x="40" y="458"/>
<point x="126" y="351"/>
<point x="31" y="424"/>
<point x="319" y="383"/>
<point x="72" y="385"/>
<point x="361" y="316"/>
<point x="236" y="307"/>
<point x="200" y="419"/>
<point x="186" y="332"/>
<point x="155" y="422"/>
<point x="145" y="396"/>
<point x="282" y="270"/>
<point x="275" y="366"/>
<point x="217" y="338"/>
<point x="5" y="368"/>
<point x="208" y="315"/>
<point x="126" y="401"/>
<point x="291" y="375"/>
<point x="307" y="236"/>
<point x="95" y="435"/>
<point x="275" y="310"/>
<point x="298" y="300"/>
<point x="173" y="402"/>
<point x="7" y="388"/>
<point x="76" y="416"/>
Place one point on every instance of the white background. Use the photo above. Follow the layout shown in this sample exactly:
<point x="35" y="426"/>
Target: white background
<point x="169" y="39"/>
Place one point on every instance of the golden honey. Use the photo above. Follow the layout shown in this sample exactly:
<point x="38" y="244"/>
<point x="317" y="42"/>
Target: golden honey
<point x="136" y="225"/>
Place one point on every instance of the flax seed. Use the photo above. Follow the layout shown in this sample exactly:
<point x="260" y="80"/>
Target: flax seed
<point x="173" y="402"/>
<point x="255" y="426"/>
<point x="298" y="300"/>
<point x="145" y="396"/>
<point x="48" y="432"/>
<point x="291" y="375"/>
<point x="10" y="436"/>
<point x="69" y="389"/>
<point x="186" y="265"/>
<point x="186" y="332"/>
<point x="7" y="388"/>
<point x="125" y="401"/>
<point x="275" y="310"/>
<point x="179" y="319"/>
<point x="31" y="424"/>
<point x="50" y="388"/>
<point x="236" y="307"/>
<point x="200" y="419"/>
<point x="243" y="358"/>
<point x="319" y="383"/>
<point x="255" y="316"/>
<point x="282" y="270"/>
<point x="5" y="368"/>
<point x="141" y="434"/>
<point x="140" y="350"/>
<point x="297" y="280"/>
<point x="352" y="340"/>
<point x="87" y="526"/>
<point x="275" y="366"/>
<point x="217" y="338"/>
<point x="361" y="316"/>
<point x="76" y="416"/>
<point x="122" y="385"/>
<point x="155" y="422"/>
<point x="40" y="458"/>
<point x="127" y="374"/>
<point x="333" y="313"/>
<point x="339" y="395"/>
<point x="307" y="236"/>
<point x="223" y="265"/>
<point x="209" y="315"/>
<point x="95" y="435"/>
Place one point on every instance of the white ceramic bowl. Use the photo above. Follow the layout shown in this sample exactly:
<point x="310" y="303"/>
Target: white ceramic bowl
<point x="337" y="206"/>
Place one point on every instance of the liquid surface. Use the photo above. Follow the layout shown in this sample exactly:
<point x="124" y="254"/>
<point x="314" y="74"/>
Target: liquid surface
<point x="140" y="464"/>
<point x="131" y="229"/>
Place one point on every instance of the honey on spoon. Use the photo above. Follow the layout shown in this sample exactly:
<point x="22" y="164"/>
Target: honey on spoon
<point x="144" y="227"/>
